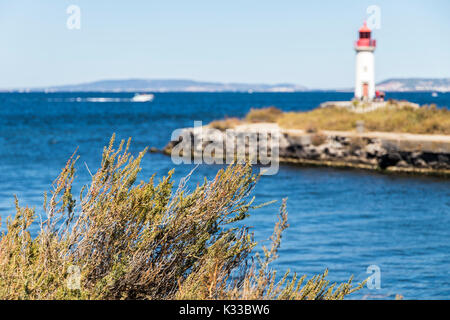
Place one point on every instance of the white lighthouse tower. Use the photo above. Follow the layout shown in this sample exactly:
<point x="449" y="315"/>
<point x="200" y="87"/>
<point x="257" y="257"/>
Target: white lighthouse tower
<point x="365" y="65"/>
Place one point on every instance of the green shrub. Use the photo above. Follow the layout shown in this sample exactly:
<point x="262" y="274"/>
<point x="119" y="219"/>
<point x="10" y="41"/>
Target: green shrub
<point x="147" y="240"/>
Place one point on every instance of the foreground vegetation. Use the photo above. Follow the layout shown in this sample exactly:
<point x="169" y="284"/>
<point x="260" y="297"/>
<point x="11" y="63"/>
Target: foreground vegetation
<point x="394" y="118"/>
<point x="147" y="240"/>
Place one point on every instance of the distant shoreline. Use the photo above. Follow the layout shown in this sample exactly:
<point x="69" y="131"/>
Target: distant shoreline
<point x="187" y="85"/>
<point x="180" y="91"/>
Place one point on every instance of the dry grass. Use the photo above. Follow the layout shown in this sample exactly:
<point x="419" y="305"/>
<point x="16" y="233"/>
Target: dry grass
<point x="397" y="117"/>
<point x="228" y="123"/>
<point x="270" y="114"/>
<point x="147" y="240"/>
<point x="424" y="120"/>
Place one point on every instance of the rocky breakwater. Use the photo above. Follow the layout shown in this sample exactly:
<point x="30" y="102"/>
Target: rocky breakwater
<point x="393" y="152"/>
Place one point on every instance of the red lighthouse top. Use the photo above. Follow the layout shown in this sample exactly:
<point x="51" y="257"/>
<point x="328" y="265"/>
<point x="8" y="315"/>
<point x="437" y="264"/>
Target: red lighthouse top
<point x="365" y="28"/>
<point x="364" y="37"/>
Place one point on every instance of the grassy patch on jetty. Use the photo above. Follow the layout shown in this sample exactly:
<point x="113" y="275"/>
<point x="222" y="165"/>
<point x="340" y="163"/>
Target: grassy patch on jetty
<point x="423" y="120"/>
<point x="123" y="239"/>
<point x="396" y="117"/>
<point x="227" y="123"/>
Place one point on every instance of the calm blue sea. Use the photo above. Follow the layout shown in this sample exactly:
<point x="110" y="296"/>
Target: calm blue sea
<point x="343" y="220"/>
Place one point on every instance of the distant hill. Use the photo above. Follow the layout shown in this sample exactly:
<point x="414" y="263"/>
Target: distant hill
<point x="184" y="85"/>
<point x="415" y="84"/>
<point x="132" y="85"/>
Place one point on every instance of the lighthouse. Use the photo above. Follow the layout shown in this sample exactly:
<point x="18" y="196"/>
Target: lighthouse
<point x="365" y="65"/>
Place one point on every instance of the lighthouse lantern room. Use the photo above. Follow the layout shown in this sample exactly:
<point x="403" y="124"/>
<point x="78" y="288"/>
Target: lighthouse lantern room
<point x="365" y="65"/>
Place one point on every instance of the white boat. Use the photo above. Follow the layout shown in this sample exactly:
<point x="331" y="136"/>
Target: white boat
<point x="143" y="97"/>
<point x="434" y="94"/>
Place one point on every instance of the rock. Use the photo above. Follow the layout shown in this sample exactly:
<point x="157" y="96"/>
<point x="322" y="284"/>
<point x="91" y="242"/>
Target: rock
<point x="368" y="151"/>
<point x="359" y="153"/>
<point x="420" y="163"/>
<point x="415" y="155"/>
<point x="443" y="158"/>
<point x="402" y="164"/>
<point x="389" y="159"/>
<point x="374" y="149"/>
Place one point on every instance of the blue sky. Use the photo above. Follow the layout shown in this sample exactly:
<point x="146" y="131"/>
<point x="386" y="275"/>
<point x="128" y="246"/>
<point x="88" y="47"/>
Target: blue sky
<point x="303" y="42"/>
